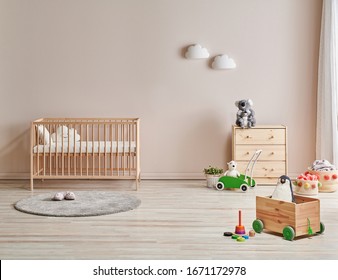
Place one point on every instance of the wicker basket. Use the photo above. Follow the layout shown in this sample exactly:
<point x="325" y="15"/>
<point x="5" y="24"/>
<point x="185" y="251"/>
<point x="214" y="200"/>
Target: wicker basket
<point x="212" y="180"/>
<point x="328" y="179"/>
<point x="306" y="187"/>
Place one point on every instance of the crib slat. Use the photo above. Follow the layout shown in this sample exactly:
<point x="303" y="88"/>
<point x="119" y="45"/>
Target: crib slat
<point x="117" y="149"/>
<point x="32" y="145"/>
<point x="81" y="149"/>
<point x="51" y="143"/>
<point x="99" y="147"/>
<point x="111" y="150"/>
<point x="134" y="139"/>
<point x="93" y="160"/>
<point x="68" y="157"/>
<point x="123" y="150"/>
<point x="129" y="155"/>
<point x="38" y="155"/>
<point x="74" y="152"/>
<point x="138" y="175"/>
<point x="87" y="157"/>
<point x="56" y="153"/>
<point x="44" y="152"/>
<point x="62" y="153"/>
<point x="105" y="150"/>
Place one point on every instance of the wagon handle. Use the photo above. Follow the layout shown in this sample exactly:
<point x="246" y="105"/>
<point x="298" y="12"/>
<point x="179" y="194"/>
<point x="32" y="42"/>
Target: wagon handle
<point x="252" y="162"/>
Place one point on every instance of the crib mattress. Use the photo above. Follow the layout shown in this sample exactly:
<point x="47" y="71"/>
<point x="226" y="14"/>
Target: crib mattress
<point x="87" y="147"/>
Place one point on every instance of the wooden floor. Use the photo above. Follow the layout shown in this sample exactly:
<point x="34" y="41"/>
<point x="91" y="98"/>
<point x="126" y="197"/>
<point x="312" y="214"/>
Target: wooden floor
<point x="176" y="220"/>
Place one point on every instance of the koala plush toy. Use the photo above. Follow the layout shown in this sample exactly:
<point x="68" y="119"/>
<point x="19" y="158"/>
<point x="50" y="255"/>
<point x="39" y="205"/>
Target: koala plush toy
<point x="245" y="115"/>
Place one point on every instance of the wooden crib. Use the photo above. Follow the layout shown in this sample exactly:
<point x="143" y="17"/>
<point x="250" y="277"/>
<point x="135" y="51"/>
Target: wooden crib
<point x="85" y="148"/>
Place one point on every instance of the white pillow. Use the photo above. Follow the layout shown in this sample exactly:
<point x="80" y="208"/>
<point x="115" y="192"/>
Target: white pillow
<point x="53" y="136"/>
<point x="61" y="129"/>
<point x="66" y="133"/>
<point x="44" y="135"/>
<point x="73" y="133"/>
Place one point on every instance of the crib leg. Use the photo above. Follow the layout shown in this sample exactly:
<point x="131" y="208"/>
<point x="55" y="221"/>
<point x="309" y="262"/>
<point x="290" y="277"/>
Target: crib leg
<point x="138" y="181"/>
<point x="32" y="181"/>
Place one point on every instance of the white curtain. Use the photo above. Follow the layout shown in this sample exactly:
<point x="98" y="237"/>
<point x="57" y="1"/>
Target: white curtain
<point x="327" y="101"/>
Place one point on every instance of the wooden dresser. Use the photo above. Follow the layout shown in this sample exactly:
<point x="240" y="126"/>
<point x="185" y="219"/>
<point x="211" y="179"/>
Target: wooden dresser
<point x="272" y="140"/>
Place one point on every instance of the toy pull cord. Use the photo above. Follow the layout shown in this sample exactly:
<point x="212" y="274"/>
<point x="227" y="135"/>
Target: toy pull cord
<point x="252" y="162"/>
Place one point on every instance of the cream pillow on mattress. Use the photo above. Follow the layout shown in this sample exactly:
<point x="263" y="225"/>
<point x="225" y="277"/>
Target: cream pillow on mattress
<point x="62" y="131"/>
<point x="44" y="135"/>
<point x="67" y="133"/>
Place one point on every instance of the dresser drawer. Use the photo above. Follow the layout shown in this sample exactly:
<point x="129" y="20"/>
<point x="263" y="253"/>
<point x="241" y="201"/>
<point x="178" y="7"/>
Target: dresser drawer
<point x="269" y="152"/>
<point x="264" y="168"/>
<point x="264" y="136"/>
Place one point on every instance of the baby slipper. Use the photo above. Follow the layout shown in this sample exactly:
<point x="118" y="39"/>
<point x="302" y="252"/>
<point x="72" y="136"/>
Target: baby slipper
<point x="58" y="196"/>
<point x="69" y="196"/>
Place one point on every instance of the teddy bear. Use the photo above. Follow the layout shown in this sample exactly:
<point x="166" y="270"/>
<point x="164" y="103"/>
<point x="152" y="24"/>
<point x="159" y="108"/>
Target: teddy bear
<point x="232" y="171"/>
<point x="245" y="115"/>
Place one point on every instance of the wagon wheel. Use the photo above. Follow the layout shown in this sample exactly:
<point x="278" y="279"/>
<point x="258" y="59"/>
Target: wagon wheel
<point x="289" y="233"/>
<point x="220" y="186"/>
<point x="322" y="228"/>
<point x="258" y="225"/>
<point x="244" y="187"/>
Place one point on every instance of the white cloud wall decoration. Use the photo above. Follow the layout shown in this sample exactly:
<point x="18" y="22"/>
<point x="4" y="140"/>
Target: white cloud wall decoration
<point x="223" y="62"/>
<point x="196" y="52"/>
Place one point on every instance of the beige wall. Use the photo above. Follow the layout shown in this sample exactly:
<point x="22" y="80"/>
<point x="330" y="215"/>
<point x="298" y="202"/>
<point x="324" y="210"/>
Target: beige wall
<point x="124" y="58"/>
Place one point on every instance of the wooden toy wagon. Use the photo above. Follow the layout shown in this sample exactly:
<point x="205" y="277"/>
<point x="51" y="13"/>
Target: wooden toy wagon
<point x="289" y="218"/>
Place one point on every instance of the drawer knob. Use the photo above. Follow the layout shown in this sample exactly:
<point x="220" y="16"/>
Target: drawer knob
<point x="272" y="153"/>
<point x="271" y="137"/>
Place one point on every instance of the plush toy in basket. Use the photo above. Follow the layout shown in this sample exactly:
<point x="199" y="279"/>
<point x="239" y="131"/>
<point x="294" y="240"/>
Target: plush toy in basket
<point x="327" y="175"/>
<point x="283" y="190"/>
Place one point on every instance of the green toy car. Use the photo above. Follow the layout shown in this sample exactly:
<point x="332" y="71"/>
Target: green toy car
<point x="242" y="182"/>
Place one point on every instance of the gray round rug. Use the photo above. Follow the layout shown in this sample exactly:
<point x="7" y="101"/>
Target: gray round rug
<point x="86" y="203"/>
